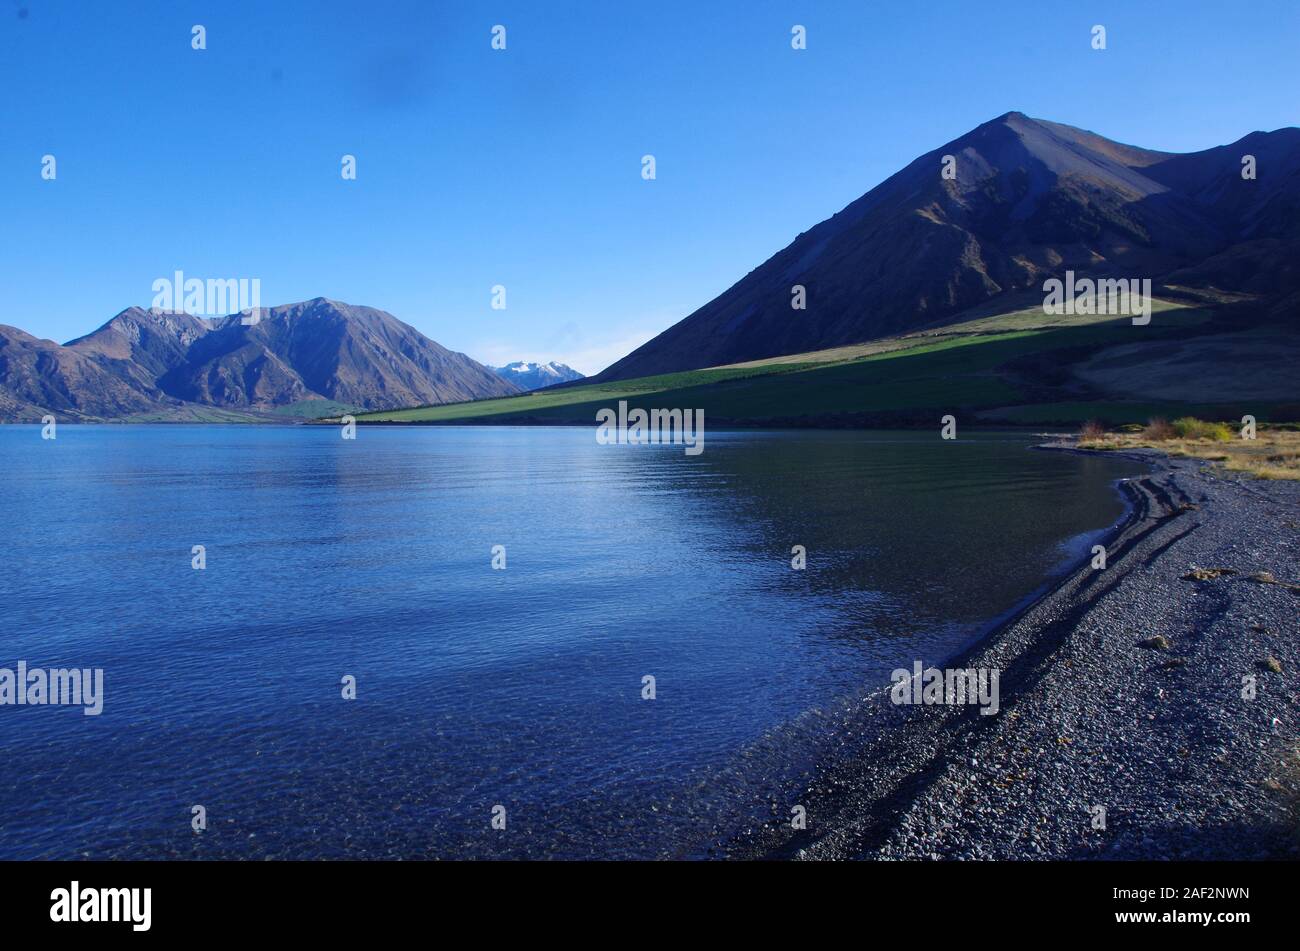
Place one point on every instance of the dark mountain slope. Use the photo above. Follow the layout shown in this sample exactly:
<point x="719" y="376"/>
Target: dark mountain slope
<point x="1030" y="200"/>
<point x="1267" y="206"/>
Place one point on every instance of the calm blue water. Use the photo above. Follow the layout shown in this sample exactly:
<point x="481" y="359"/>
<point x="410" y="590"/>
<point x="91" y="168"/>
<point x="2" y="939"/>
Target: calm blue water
<point x="479" y="687"/>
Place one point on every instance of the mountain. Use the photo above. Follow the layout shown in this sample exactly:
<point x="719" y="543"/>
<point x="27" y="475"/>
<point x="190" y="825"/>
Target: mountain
<point x="139" y="346"/>
<point x="322" y="349"/>
<point x="534" y="376"/>
<point x="1029" y="200"/>
<point x="39" y="377"/>
<point x="317" y="351"/>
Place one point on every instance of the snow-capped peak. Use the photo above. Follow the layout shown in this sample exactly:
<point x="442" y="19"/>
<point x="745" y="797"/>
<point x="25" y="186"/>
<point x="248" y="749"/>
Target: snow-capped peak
<point x="532" y="376"/>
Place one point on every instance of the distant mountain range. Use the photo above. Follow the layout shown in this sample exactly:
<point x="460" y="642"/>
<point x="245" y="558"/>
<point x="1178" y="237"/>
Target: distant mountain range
<point x="1029" y="200"/>
<point x="534" y="376"/>
<point x="296" y="359"/>
<point x="1026" y="200"/>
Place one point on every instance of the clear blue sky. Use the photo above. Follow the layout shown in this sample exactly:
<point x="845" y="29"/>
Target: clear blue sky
<point x="522" y="167"/>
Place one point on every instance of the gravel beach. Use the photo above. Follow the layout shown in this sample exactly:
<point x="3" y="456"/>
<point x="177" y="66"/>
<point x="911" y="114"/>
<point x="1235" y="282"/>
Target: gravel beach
<point x="1127" y="688"/>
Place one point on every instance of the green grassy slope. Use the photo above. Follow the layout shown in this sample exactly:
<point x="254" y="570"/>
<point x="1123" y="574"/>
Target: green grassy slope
<point x="1000" y="369"/>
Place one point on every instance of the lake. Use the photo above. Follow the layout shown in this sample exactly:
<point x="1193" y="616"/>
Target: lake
<point x="477" y="686"/>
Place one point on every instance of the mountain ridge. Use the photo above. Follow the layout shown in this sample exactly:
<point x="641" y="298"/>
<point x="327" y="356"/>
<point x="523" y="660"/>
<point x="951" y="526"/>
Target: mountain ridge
<point x="534" y="376"/>
<point x="1030" y="199"/>
<point x="160" y="362"/>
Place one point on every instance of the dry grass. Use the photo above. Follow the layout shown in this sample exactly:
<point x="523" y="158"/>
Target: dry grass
<point x="1158" y="430"/>
<point x="990" y="319"/>
<point x="1272" y="454"/>
<point x="1091" y="430"/>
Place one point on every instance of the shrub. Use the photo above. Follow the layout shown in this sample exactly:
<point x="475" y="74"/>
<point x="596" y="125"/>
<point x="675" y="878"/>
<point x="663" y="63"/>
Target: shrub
<point x="1091" y="430"/>
<point x="1158" y="429"/>
<point x="1189" y="427"/>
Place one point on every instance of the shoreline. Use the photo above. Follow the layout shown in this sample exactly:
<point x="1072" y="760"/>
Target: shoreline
<point x="1093" y="714"/>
